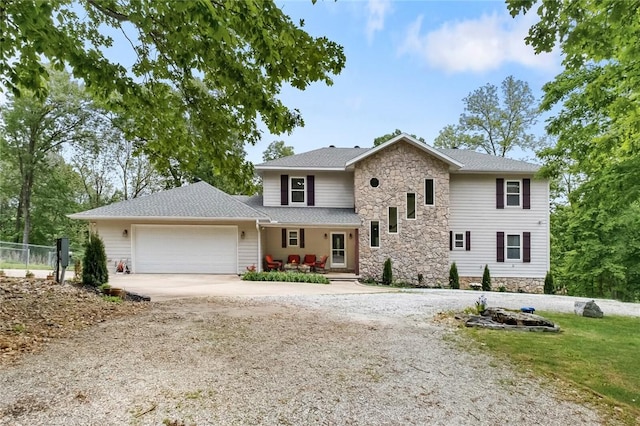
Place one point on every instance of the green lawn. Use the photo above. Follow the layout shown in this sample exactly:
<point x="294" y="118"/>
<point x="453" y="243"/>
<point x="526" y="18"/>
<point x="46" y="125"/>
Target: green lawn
<point x="599" y="355"/>
<point x="21" y="265"/>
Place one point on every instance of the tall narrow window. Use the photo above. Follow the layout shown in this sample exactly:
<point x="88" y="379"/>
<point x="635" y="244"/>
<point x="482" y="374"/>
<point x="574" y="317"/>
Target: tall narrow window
<point x="375" y="233"/>
<point x="459" y="240"/>
<point x="393" y="220"/>
<point x="297" y="190"/>
<point x="411" y="205"/>
<point x="513" y="247"/>
<point x="292" y="238"/>
<point x="428" y="192"/>
<point x="513" y="193"/>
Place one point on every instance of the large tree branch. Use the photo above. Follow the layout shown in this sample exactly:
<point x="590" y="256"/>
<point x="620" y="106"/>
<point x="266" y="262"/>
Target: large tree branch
<point x="120" y="17"/>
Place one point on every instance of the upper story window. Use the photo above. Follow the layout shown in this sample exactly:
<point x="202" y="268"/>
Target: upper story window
<point x="411" y="205"/>
<point x="429" y="193"/>
<point x="513" y="193"/>
<point x="393" y="220"/>
<point x="298" y="185"/>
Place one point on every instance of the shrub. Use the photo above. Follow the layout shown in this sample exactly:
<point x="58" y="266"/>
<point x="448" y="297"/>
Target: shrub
<point x="548" y="284"/>
<point x="486" y="279"/>
<point x="420" y="279"/>
<point x="290" y="277"/>
<point x="502" y="289"/>
<point x="454" y="279"/>
<point x="94" y="267"/>
<point x="77" y="270"/>
<point x="387" y="273"/>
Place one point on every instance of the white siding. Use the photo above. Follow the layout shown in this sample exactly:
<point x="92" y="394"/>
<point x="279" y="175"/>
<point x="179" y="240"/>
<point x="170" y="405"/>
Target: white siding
<point x="332" y="189"/>
<point x="247" y="247"/>
<point x="473" y="208"/>
<point x="116" y="246"/>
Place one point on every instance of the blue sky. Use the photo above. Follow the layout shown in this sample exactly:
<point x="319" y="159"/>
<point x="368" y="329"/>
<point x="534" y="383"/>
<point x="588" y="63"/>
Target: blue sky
<point x="409" y="65"/>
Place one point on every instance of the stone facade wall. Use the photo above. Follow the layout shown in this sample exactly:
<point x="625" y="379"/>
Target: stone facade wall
<point x="421" y="246"/>
<point x="512" y="284"/>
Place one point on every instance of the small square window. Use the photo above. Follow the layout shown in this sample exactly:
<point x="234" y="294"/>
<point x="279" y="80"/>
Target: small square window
<point x="429" y="194"/>
<point x="375" y="233"/>
<point x="292" y="238"/>
<point x="513" y="247"/>
<point x="411" y="205"/>
<point x="513" y="193"/>
<point x="393" y="220"/>
<point x="459" y="240"/>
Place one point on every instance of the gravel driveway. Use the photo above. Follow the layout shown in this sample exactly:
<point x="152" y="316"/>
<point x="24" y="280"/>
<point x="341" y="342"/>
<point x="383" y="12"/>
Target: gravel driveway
<point x="333" y="359"/>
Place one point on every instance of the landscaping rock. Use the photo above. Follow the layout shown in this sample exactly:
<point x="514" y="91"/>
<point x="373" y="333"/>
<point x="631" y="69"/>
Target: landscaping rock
<point x="503" y="319"/>
<point x="588" y="309"/>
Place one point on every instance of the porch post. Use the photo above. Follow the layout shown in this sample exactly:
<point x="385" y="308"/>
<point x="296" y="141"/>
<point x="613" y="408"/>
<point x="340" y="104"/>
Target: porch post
<point x="357" y="254"/>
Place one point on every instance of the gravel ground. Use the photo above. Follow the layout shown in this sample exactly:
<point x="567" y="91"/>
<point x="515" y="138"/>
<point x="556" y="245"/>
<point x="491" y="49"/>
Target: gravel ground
<point x="348" y="360"/>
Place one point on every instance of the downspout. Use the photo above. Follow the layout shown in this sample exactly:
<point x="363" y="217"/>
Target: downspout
<point x="259" y="263"/>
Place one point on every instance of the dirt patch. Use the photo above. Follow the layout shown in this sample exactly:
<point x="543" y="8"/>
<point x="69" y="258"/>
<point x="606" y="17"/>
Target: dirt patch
<point x="34" y="311"/>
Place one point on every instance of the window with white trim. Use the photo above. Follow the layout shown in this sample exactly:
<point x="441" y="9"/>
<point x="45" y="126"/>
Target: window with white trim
<point x="297" y="188"/>
<point x="513" y="193"/>
<point x="393" y="220"/>
<point x="429" y="192"/>
<point x="293" y="237"/>
<point x="513" y="247"/>
<point x="375" y="233"/>
<point x="411" y="205"/>
<point x="458" y="240"/>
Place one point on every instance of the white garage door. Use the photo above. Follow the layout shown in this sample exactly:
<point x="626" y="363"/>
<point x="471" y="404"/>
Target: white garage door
<point x="173" y="249"/>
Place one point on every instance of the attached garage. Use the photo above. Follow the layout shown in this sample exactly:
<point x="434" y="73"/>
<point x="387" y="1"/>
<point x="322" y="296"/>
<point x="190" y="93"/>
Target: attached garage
<point x="190" y="249"/>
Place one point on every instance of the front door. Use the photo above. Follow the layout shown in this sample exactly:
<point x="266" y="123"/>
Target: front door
<point x="338" y="250"/>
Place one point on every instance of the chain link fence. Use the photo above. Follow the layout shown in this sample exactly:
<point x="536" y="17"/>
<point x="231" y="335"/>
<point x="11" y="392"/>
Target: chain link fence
<point x="26" y="256"/>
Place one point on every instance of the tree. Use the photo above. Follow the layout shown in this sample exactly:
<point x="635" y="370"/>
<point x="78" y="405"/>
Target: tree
<point x="387" y="273"/>
<point x="207" y="67"/>
<point x="277" y="149"/>
<point x="94" y="265"/>
<point x="494" y="125"/>
<point x="548" y="284"/>
<point x="33" y="129"/>
<point x="382" y="139"/>
<point x="486" y="279"/>
<point x="454" y="279"/>
<point x="597" y="138"/>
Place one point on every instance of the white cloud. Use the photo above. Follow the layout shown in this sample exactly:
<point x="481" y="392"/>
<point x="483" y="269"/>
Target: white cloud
<point x="377" y="12"/>
<point x="477" y="45"/>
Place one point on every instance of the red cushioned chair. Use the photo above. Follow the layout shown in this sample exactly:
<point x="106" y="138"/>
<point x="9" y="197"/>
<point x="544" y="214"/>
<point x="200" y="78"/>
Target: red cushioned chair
<point x="271" y="264"/>
<point x="294" y="258"/>
<point x="310" y="261"/>
<point x="321" y="265"/>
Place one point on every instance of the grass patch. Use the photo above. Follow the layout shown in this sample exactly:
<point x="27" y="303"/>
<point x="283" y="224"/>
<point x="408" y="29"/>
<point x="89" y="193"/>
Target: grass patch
<point x="287" y="277"/>
<point x="21" y="265"/>
<point x="599" y="355"/>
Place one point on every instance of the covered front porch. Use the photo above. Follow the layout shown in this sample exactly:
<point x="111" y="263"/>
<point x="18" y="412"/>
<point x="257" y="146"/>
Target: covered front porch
<point x="338" y="244"/>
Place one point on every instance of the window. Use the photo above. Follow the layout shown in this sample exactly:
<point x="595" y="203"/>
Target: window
<point x="292" y="238"/>
<point x="375" y="233"/>
<point x="411" y="205"/>
<point x="297" y="189"/>
<point x="428" y="192"/>
<point x="393" y="220"/>
<point x="513" y="193"/>
<point x="513" y="247"/>
<point x="458" y="240"/>
<point x="374" y="182"/>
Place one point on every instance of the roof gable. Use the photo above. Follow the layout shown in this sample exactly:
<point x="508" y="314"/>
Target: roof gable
<point x="454" y="164"/>
<point x="196" y="201"/>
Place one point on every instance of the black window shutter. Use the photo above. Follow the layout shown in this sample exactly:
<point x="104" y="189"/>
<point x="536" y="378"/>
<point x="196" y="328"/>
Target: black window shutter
<point x="311" y="190"/>
<point x="284" y="190"/>
<point x="301" y="238"/>
<point x="499" y="193"/>
<point x="284" y="238"/>
<point x="450" y="240"/>
<point x="526" y="193"/>
<point x="467" y="237"/>
<point x="526" y="244"/>
<point x="500" y="246"/>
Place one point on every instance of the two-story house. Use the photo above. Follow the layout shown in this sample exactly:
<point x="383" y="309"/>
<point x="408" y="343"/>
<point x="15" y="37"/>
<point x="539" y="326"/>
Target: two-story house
<point x="422" y="207"/>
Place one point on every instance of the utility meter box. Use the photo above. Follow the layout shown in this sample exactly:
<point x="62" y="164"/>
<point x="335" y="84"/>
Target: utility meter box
<point x="62" y="248"/>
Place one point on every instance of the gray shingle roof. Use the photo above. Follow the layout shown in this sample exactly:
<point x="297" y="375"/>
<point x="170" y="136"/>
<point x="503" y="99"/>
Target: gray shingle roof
<point x="329" y="158"/>
<point x="198" y="200"/>
<point x="479" y="162"/>
<point x="305" y="215"/>
<point x="336" y="158"/>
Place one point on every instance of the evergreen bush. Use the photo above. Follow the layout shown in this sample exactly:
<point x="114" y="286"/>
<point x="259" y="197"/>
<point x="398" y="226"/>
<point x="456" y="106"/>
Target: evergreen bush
<point x="454" y="279"/>
<point x="94" y="266"/>
<point x="387" y="273"/>
<point x="548" y="284"/>
<point x="486" y="279"/>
